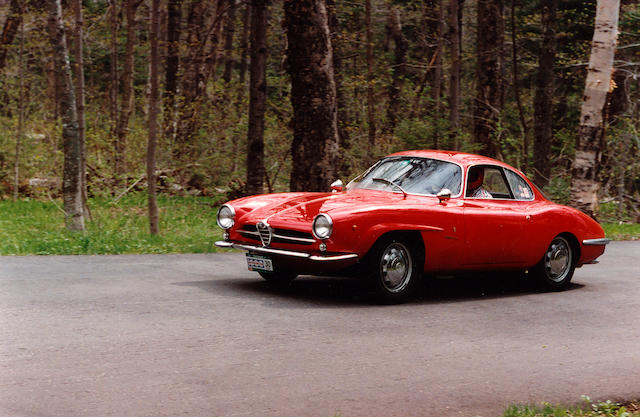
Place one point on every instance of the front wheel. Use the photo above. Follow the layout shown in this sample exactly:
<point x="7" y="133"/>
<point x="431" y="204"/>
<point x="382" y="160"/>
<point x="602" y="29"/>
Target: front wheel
<point x="393" y="270"/>
<point x="555" y="269"/>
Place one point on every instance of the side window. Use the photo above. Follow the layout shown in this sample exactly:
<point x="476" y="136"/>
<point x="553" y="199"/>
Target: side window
<point x="519" y="186"/>
<point x="495" y="184"/>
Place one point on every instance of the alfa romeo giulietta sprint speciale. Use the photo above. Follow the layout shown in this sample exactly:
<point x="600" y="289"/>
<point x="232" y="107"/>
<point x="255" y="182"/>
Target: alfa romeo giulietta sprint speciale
<point x="411" y="214"/>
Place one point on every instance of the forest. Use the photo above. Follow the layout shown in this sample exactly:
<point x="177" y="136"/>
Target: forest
<point x="237" y="97"/>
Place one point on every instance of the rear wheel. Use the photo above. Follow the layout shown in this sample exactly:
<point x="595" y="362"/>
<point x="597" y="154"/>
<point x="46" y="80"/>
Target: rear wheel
<point x="555" y="269"/>
<point x="278" y="277"/>
<point x="393" y="270"/>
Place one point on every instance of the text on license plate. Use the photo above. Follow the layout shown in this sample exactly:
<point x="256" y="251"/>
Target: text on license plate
<point x="259" y="263"/>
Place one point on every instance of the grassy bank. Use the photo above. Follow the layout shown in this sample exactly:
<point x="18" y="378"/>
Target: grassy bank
<point x="187" y="225"/>
<point x="624" y="231"/>
<point x="587" y="409"/>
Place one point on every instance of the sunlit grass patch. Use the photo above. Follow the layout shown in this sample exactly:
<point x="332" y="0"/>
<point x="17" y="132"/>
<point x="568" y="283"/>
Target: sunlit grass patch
<point x="622" y="231"/>
<point x="187" y="225"/>
<point x="586" y="409"/>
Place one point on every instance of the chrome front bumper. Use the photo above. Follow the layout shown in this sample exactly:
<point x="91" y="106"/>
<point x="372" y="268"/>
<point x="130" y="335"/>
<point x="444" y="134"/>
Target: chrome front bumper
<point x="595" y="242"/>
<point x="301" y="255"/>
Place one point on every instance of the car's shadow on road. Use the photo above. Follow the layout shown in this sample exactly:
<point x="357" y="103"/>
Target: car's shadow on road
<point x="352" y="292"/>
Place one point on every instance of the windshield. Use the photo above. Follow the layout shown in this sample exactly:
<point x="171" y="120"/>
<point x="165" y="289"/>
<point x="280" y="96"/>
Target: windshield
<point x="413" y="175"/>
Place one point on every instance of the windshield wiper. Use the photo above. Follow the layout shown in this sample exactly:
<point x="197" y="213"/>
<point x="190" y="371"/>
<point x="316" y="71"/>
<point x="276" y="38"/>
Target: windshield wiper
<point x="391" y="183"/>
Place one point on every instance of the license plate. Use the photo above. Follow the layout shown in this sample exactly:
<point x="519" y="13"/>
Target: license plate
<point x="259" y="263"/>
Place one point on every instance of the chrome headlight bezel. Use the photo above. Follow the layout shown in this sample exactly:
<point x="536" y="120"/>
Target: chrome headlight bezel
<point x="226" y="217"/>
<point x="322" y="226"/>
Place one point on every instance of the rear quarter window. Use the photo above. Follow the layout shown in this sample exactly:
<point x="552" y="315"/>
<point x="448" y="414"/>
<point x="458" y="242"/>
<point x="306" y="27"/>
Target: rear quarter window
<point x="520" y="188"/>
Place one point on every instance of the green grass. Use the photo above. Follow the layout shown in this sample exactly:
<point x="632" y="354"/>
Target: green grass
<point x="588" y="409"/>
<point x="187" y="225"/>
<point x="622" y="231"/>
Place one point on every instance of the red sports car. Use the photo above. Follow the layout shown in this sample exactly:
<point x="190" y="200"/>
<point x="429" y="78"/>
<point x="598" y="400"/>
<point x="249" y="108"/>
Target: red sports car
<point x="414" y="213"/>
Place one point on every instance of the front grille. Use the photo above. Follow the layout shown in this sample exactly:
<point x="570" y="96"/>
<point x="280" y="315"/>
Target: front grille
<point x="278" y="235"/>
<point x="250" y="231"/>
<point x="293" y="236"/>
<point x="265" y="233"/>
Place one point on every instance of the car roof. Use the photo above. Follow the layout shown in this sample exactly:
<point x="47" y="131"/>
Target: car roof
<point x="461" y="158"/>
<point x="465" y="160"/>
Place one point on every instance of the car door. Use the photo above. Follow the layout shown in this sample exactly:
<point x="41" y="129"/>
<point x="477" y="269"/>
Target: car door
<point x="495" y="227"/>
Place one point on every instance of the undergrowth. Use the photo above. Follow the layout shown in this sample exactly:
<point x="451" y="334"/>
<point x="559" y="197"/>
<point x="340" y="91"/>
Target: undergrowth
<point x="32" y="227"/>
<point x="586" y="409"/>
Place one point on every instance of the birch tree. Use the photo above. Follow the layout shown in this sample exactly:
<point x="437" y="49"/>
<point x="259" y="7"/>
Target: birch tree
<point x="71" y="181"/>
<point x="584" y="184"/>
<point x="80" y="102"/>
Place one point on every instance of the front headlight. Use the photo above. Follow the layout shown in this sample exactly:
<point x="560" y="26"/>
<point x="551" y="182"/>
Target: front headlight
<point x="322" y="226"/>
<point x="226" y="216"/>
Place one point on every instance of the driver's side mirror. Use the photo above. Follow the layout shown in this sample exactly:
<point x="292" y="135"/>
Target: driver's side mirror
<point x="444" y="195"/>
<point x="337" y="186"/>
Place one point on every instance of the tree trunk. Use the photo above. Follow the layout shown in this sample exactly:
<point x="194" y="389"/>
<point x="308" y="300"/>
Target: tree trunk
<point x="174" y="15"/>
<point x="203" y="20"/>
<point x="313" y="95"/>
<point x="397" y="71"/>
<point x="370" y="104"/>
<point x="153" y="120"/>
<point x="543" y="101"/>
<point x="343" y="110"/>
<point x="192" y="80"/>
<point x="229" y="31"/>
<point x="113" y="88"/>
<point x="438" y="72"/>
<point x="584" y="184"/>
<point x="244" y="42"/>
<point x="126" y="105"/>
<point x="455" y="40"/>
<point x="214" y="44"/>
<point x="257" y="97"/>
<point x="21" y="104"/>
<point x="79" y="65"/>
<point x="242" y="74"/>
<point x="11" y="25"/>
<point x="516" y="90"/>
<point x="71" y="182"/>
<point x="489" y="94"/>
<point x="52" y="90"/>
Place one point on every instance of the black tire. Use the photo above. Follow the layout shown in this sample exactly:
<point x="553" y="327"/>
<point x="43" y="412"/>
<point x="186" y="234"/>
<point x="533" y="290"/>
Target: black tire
<point x="393" y="270"/>
<point x="278" y="277"/>
<point x="555" y="269"/>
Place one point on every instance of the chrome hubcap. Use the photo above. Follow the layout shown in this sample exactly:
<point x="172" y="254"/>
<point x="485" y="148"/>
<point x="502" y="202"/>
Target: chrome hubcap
<point x="396" y="267"/>
<point x="557" y="260"/>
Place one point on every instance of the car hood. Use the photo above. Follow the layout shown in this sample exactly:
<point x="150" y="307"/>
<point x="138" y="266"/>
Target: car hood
<point x="291" y="208"/>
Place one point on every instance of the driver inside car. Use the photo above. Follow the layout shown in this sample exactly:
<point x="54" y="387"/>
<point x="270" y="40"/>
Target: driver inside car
<point x="474" y="184"/>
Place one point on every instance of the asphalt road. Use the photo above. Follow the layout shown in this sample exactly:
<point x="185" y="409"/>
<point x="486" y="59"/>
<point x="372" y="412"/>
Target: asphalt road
<point x="199" y="335"/>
